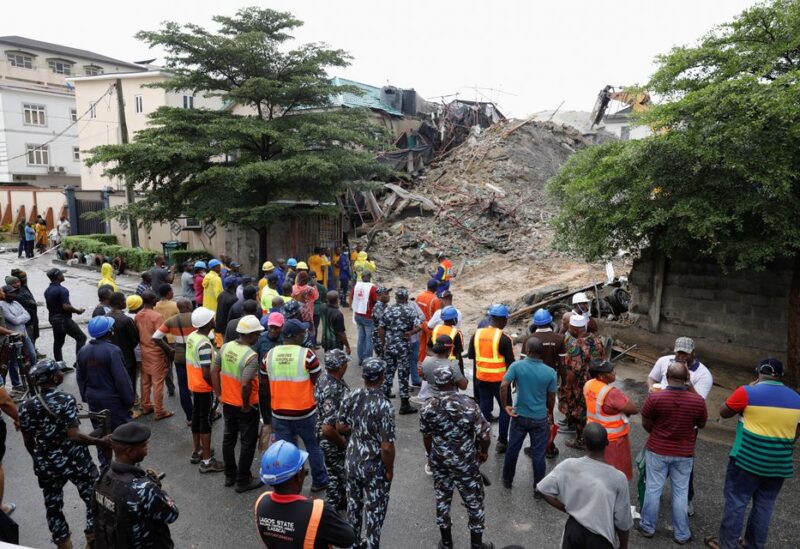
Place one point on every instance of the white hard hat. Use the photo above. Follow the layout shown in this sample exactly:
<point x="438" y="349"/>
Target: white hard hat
<point x="580" y="297"/>
<point x="202" y="316"/>
<point x="249" y="324"/>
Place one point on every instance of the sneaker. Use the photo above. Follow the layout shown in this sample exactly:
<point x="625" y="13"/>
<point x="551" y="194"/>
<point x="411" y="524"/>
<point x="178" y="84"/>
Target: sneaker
<point x="196" y="458"/>
<point x="229" y="481"/>
<point x="552" y="453"/>
<point x="428" y="469"/>
<point x="252" y="484"/>
<point x="500" y="447"/>
<point x="213" y="466"/>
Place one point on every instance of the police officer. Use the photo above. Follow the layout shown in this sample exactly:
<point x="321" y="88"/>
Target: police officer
<point x="397" y="325"/>
<point x="103" y="379"/>
<point x="368" y="416"/>
<point x="284" y="518"/>
<point x="456" y="436"/>
<point x="49" y="425"/>
<point x="329" y="392"/>
<point x="130" y="508"/>
<point x="377" y="312"/>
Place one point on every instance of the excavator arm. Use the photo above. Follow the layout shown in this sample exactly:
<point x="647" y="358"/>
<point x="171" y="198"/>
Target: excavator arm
<point x="639" y="101"/>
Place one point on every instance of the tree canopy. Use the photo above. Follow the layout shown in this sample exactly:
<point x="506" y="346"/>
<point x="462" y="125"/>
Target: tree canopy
<point x="719" y="176"/>
<point x="276" y="137"/>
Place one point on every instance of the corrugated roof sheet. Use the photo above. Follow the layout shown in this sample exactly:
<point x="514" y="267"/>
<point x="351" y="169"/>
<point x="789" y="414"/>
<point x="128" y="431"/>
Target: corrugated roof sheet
<point x="29" y="43"/>
<point x="370" y="100"/>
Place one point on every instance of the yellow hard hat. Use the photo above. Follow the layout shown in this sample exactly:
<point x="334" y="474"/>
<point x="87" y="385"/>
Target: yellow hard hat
<point x="301" y="265"/>
<point x="249" y="324"/>
<point x="134" y="302"/>
<point x="268" y="266"/>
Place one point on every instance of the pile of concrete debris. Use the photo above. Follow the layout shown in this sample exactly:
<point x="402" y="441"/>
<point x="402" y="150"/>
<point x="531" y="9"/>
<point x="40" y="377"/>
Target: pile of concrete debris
<point x="485" y="196"/>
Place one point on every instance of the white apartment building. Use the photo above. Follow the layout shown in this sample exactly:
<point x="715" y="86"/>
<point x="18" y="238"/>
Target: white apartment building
<point x="39" y="120"/>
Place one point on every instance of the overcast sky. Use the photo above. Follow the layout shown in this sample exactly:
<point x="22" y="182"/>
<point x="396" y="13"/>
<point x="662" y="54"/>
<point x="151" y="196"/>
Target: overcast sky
<point x="526" y="55"/>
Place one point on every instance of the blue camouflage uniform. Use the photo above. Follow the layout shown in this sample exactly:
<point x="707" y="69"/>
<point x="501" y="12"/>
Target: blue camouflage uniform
<point x="56" y="458"/>
<point x="454" y="422"/>
<point x="396" y="321"/>
<point x="377" y="313"/>
<point x="370" y="417"/>
<point x="329" y="393"/>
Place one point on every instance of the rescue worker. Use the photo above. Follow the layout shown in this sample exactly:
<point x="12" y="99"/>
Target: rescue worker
<point x="609" y="407"/>
<point x="581" y="306"/>
<point x="287" y="520"/>
<point x="268" y="268"/>
<point x="330" y="391"/>
<point x="457" y="438"/>
<point x="448" y="327"/>
<point x="130" y="508"/>
<point x="444" y="274"/>
<point x="212" y="285"/>
<point x="493" y="353"/>
<point x="103" y="380"/>
<point x="362" y="265"/>
<point x="234" y="379"/>
<point x="428" y="304"/>
<point x="397" y="325"/>
<point x="269" y="292"/>
<point x="581" y="348"/>
<point x="368" y="417"/>
<point x="292" y="371"/>
<point x="50" y="429"/>
<point x="199" y="358"/>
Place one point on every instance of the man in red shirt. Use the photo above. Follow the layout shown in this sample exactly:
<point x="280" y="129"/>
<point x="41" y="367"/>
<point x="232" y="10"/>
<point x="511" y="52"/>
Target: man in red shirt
<point x="672" y="417"/>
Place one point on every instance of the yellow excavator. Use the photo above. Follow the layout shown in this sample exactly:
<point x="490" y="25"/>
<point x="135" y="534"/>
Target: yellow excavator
<point x="638" y="100"/>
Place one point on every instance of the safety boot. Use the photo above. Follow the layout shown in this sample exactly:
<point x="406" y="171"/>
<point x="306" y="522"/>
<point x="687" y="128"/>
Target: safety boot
<point x="476" y="541"/>
<point x="447" y="538"/>
<point x="406" y="408"/>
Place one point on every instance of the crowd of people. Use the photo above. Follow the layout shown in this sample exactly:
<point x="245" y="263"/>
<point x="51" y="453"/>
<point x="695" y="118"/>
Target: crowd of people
<point x="34" y="236"/>
<point x="268" y="357"/>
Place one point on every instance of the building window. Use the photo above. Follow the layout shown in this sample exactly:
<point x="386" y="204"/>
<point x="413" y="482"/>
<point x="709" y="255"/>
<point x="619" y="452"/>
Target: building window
<point x="20" y="60"/>
<point x="76" y="154"/>
<point x="188" y="101"/>
<point x="38" y="155"/>
<point x="34" y="114"/>
<point x="92" y="70"/>
<point x="138" y="104"/>
<point x="60" y="67"/>
<point x="73" y="115"/>
<point x="93" y="110"/>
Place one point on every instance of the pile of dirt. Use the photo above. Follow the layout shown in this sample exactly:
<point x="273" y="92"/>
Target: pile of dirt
<point x="488" y="197"/>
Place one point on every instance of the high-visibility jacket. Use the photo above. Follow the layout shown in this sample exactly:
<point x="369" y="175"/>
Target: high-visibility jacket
<point x="447" y="269"/>
<point x="290" y="387"/>
<point x="234" y="356"/>
<point x="490" y="365"/>
<point x="429" y="304"/>
<point x="194" y="373"/>
<point x="444" y="329"/>
<point x="595" y="392"/>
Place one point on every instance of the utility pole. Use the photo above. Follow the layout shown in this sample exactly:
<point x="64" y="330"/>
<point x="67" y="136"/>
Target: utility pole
<point x="123" y="130"/>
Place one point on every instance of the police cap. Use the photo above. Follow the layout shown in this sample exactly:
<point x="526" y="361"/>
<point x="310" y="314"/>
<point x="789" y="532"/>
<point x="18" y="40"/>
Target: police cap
<point x="131" y="433"/>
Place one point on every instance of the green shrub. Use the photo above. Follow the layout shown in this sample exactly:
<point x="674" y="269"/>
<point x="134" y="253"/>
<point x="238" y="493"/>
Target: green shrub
<point x="83" y="244"/>
<point x="137" y="259"/>
<point x="179" y="257"/>
<point x="104" y="238"/>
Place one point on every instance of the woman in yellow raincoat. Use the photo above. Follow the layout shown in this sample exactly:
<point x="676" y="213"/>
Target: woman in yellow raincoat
<point x="107" y="276"/>
<point x="363" y="265"/>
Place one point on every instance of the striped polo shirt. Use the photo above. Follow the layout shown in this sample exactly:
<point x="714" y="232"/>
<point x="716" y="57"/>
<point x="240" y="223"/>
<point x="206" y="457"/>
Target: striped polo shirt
<point x="770" y="412"/>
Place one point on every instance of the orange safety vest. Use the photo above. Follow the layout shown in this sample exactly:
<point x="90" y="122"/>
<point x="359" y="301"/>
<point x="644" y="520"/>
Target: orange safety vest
<point x="595" y="392"/>
<point x="313" y="521"/>
<point x="194" y="372"/>
<point x="489" y="364"/>
<point x="427" y="301"/>
<point x="234" y="357"/>
<point x="290" y="385"/>
<point x="447" y="270"/>
<point x="444" y="329"/>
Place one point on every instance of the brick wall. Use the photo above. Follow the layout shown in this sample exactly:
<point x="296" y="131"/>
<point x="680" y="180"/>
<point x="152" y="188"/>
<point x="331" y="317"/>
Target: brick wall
<point x="727" y="313"/>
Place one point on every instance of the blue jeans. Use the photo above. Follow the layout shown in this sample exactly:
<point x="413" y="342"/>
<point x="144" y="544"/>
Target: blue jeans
<point x="13" y="366"/>
<point x="489" y="392"/>
<point x="365" y="329"/>
<point x="740" y="487"/>
<point x="538" y="430"/>
<point x="678" y="469"/>
<point x="413" y="361"/>
<point x="289" y="430"/>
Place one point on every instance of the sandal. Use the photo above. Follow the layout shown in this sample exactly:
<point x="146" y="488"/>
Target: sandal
<point x="165" y="415"/>
<point x="711" y="541"/>
<point x="147" y="412"/>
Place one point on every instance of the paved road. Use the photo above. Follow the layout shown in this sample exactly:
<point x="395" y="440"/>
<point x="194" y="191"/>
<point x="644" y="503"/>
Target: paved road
<point x="212" y="516"/>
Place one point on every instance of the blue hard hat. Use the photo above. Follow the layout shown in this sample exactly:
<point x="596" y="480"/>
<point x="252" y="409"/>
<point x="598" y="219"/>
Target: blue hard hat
<point x="499" y="310"/>
<point x="542" y="317"/>
<point x="43" y="370"/>
<point x="214" y="263"/>
<point x="291" y="262"/>
<point x="200" y="265"/>
<point x="449" y="313"/>
<point x="100" y="325"/>
<point x="281" y="462"/>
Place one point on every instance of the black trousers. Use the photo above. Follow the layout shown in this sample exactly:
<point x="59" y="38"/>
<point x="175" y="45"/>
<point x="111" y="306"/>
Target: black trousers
<point x="244" y="427"/>
<point x="576" y="536"/>
<point x="63" y="327"/>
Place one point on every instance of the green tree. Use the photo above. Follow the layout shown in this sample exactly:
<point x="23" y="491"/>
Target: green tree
<point x="276" y="139"/>
<point x="719" y="177"/>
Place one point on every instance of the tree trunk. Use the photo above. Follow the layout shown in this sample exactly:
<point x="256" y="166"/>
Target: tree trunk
<point x="793" y="335"/>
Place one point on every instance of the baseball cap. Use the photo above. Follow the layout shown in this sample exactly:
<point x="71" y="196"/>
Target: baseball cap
<point x="579" y="321"/>
<point x="383" y="290"/>
<point x="771" y="367"/>
<point x="372" y="368"/>
<point x="293" y="327"/>
<point x="54" y="272"/>
<point x="231" y="282"/>
<point x="249" y="324"/>
<point x="684" y="345"/>
<point x="335" y="359"/>
<point x="442" y="343"/>
<point x="276" y="319"/>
